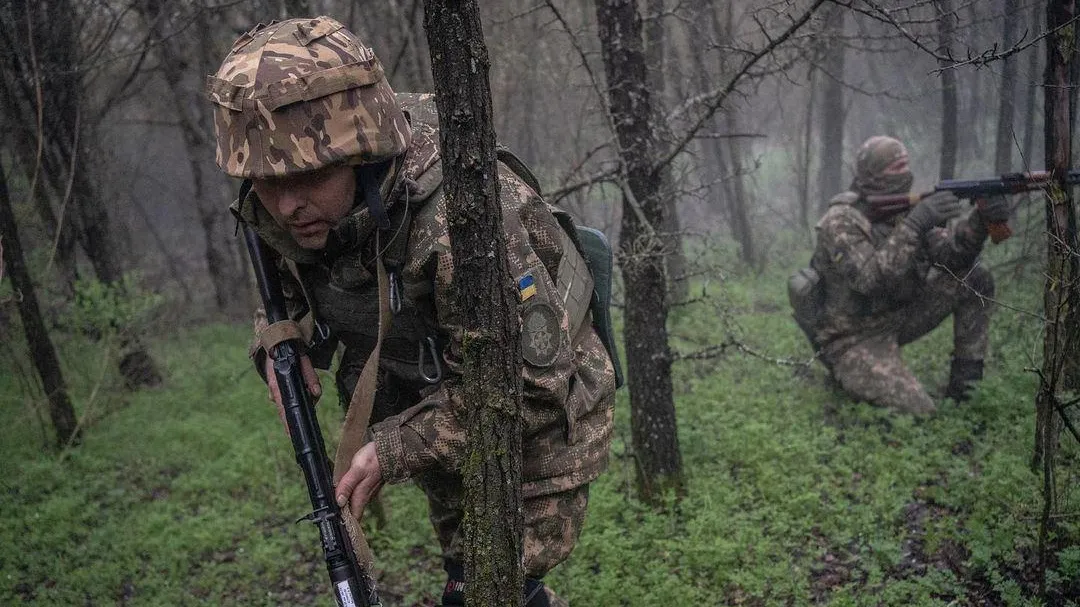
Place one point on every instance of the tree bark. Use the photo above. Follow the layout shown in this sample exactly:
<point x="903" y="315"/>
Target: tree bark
<point x="42" y="352"/>
<point x="950" y="136"/>
<point x="1005" y="139"/>
<point x="642" y="252"/>
<point x="193" y="115"/>
<point x="492" y="384"/>
<point x="657" y="57"/>
<point x="832" y="108"/>
<point x="1061" y="293"/>
<point x="1030" y="104"/>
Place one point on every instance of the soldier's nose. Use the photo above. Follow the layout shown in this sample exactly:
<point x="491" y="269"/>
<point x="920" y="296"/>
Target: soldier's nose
<point x="289" y="204"/>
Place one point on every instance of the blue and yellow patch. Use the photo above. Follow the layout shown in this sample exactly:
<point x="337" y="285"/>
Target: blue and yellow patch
<point x="526" y="287"/>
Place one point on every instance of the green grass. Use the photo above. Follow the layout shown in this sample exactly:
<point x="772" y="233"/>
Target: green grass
<point x="188" y="494"/>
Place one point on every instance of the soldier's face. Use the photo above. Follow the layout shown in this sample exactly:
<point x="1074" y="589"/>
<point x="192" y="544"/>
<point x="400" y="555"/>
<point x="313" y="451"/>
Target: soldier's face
<point x="309" y="205"/>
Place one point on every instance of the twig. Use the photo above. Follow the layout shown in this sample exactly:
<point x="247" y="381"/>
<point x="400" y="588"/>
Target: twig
<point x="984" y="298"/>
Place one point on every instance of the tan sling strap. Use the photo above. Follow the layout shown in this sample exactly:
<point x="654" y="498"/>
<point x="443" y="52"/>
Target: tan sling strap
<point x="272" y="335"/>
<point x="360" y="404"/>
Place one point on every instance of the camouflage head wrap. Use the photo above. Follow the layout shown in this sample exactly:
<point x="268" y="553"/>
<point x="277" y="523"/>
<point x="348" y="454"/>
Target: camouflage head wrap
<point x="298" y="95"/>
<point x="875" y="155"/>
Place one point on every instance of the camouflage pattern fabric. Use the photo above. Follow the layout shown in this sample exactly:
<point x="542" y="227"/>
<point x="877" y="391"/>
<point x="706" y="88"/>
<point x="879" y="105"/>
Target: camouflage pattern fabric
<point x="885" y="285"/>
<point x="299" y="95"/>
<point x="553" y="521"/>
<point x="418" y="428"/>
<point x="872" y="368"/>
<point x="875" y="155"/>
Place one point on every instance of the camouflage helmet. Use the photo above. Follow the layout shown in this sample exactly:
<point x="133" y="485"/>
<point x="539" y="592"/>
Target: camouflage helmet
<point x="298" y="95"/>
<point x="875" y="155"/>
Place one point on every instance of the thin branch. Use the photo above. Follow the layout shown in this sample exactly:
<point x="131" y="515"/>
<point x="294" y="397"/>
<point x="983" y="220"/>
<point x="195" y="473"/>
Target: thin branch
<point x="714" y="99"/>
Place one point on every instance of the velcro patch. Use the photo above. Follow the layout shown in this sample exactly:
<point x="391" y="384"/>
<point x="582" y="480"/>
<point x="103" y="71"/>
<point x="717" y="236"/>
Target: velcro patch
<point x="540" y="335"/>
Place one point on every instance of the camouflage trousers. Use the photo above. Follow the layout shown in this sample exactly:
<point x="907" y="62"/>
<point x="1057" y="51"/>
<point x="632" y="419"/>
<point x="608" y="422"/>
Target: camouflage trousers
<point x="552" y="522"/>
<point x="871" y="369"/>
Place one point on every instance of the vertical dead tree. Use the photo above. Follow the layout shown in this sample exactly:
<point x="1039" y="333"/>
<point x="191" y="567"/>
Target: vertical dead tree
<point x="1030" y="104"/>
<point x="655" y="51"/>
<point x="1061" y="293"/>
<point x="1007" y="93"/>
<point x="54" y="26"/>
<point x="196" y="127"/>
<point x="831" y="134"/>
<point x="737" y="200"/>
<point x="950" y="136"/>
<point x="42" y="352"/>
<point x="488" y="302"/>
<point x="642" y="251"/>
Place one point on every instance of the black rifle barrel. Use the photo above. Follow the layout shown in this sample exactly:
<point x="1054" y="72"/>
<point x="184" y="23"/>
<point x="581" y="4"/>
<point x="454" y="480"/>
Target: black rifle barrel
<point x="353" y="587"/>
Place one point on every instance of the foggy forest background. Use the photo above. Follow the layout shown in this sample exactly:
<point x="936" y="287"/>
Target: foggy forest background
<point x="757" y="108"/>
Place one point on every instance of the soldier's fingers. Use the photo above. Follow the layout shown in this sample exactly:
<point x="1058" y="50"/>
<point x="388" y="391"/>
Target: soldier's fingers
<point x="366" y="490"/>
<point x="311" y="378"/>
<point x="347" y="484"/>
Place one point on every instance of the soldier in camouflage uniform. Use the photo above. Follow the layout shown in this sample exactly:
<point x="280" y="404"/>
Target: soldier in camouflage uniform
<point x="306" y="116"/>
<point x="889" y="282"/>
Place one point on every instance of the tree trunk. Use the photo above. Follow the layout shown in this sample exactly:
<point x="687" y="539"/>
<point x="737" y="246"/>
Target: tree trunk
<point x="225" y="271"/>
<point x="642" y="252"/>
<point x="1030" y="103"/>
<point x="832" y="108"/>
<point x="740" y="218"/>
<point x="656" y="56"/>
<point x="37" y="337"/>
<point x="1061" y="290"/>
<point x="737" y="202"/>
<point x="950" y="137"/>
<point x="804" y="155"/>
<point x="1007" y="94"/>
<point x="492" y="346"/>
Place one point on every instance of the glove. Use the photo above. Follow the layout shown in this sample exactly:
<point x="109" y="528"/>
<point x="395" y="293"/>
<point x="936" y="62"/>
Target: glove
<point x="934" y="210"/>
<point x="994" y="209"/>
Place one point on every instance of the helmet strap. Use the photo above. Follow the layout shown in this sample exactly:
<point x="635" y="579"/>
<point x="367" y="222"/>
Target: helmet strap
<point x="368" y="182"/>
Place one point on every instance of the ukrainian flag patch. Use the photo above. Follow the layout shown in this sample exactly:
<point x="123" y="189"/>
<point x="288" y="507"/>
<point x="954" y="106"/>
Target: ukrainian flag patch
<point x="526" y="287"/>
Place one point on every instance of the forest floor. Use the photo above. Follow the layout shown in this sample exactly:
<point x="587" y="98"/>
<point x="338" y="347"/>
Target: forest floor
<point x="188" y="494"/>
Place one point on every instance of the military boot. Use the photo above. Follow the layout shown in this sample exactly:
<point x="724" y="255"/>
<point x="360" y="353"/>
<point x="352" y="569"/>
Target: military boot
<point x="963" y="373"/>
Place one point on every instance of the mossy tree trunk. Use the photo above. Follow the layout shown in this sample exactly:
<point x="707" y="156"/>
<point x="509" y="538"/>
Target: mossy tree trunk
<point x="37" y="337"/>
<point x="642" y="252"/>
<point x="1061" y="294"/>
<point x="488" y="302"/>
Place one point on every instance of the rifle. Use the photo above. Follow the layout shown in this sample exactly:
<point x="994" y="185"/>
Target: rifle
<point x="353" y="587"/>
<point x="883" y="207"/>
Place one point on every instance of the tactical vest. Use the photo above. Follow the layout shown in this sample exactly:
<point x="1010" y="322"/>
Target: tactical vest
<point x="343" y="294"/>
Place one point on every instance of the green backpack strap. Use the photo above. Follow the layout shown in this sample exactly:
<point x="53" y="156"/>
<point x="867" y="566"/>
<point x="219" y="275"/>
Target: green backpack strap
<point x="597" y="251"/>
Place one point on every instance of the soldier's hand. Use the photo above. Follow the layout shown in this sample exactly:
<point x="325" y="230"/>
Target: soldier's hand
<point x="994" y="209"/>
<point x="311" y="380"/>
<point x="934" y="210"/>
<point x="362" y="481"/>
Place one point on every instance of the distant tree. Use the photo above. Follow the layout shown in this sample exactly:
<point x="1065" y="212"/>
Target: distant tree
<point x="642" y="251"/>
<point x="831" y="134"/>
<point x="42" y="352"/>
<point x="492" y="384"/>
<point x="946" y="23"/>
<point x="1006" y="137"/>
<point x="67" y="144"/>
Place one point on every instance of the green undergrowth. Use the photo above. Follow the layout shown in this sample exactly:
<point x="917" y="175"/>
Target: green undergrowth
<point x="188" y="494"/>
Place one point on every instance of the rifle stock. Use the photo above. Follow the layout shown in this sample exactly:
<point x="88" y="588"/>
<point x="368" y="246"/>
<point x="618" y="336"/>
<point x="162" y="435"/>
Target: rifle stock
<point x="353" y="587"/>
<point x="883" y="207"/>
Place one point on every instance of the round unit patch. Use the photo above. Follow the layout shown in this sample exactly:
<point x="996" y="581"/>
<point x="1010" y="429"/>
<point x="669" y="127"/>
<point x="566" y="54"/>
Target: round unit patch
<point x="540" y="335"/>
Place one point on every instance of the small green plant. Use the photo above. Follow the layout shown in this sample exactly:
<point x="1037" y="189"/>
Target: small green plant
<point x="102" y="309"/>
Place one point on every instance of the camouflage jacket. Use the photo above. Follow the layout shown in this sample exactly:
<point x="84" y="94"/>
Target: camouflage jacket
<point x="873" y="271"/>
<point x="569" y="380"/>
